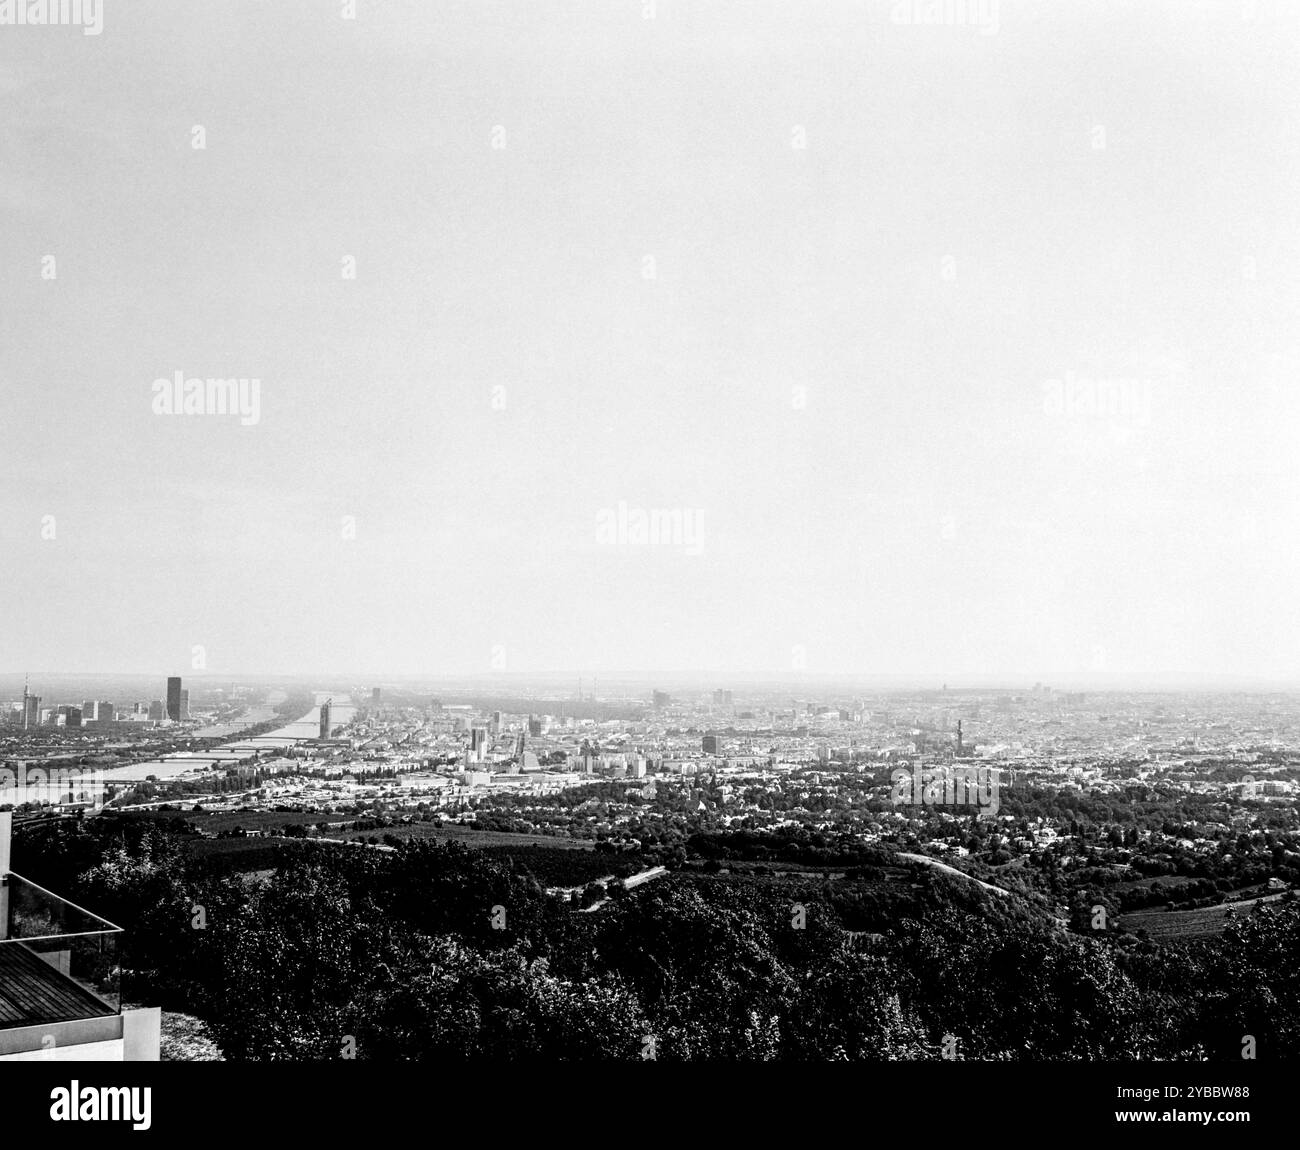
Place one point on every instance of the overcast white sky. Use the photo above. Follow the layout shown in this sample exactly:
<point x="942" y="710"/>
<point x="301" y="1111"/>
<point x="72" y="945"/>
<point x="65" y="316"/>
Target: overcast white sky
<point x="839" y="368"/>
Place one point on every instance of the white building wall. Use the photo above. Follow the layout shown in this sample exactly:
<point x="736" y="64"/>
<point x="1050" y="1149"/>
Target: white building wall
<point x="112" y="1051"/>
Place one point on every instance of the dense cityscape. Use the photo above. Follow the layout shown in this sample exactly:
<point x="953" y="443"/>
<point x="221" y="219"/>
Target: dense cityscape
<point x="1170" y="811"/>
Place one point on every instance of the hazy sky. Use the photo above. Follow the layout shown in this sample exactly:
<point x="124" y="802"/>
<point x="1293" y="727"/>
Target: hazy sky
<point x="801" y="272"/>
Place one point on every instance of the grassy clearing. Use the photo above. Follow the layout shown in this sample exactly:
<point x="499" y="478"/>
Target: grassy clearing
<point x="466" y="835"/>
<point x="1184" y="925"/>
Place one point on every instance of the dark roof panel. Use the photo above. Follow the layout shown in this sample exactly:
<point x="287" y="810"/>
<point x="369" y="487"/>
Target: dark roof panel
<point x="33" y="992"/>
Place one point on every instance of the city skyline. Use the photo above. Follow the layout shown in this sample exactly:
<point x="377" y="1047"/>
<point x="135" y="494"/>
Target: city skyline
<point x="561" y="687"/>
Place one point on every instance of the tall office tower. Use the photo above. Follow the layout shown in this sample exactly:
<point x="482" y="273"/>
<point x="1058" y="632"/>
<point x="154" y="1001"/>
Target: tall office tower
<point x="710" y="745"/>
<point x="496" y="722"/>
<point x="325" y="719"/>
<point x="185" y="704"/>
<point x="374" y="694"/>
<point x="959" y="738"/>
<point x="105" y="712"/>
<point x="88" y="711"/>
<point x="31" y="709"/>
<point x="138" y="708"/>
<point x="156" y="710"/>
<point x="71" y="716"/>
<point x="520" y="743"/>
<point x="717" y="697"/>
<point x="535" y="726"/>
<point x="477" y="740"/>
<point x="174" y="698"/>
<point x="662" y="698"/>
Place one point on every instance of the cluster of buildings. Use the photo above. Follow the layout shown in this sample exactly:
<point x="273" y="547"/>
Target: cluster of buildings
<point x="723" y="759"/>
<point x="1098" y="741"/>
<point x="29" y="713"/>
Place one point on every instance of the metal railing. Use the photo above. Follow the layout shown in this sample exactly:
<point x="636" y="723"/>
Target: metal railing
<point x="80" y="950"/>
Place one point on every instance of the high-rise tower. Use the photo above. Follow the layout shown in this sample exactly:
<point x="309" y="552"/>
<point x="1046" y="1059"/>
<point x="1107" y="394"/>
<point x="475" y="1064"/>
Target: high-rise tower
<point x="31" y="709"/>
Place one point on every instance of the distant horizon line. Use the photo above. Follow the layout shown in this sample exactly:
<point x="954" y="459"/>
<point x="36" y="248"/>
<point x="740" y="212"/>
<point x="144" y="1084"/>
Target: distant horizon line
<point x="1009" y="681"/>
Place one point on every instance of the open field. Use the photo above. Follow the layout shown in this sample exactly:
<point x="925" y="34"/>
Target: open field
<point x="773" y="869"/>
<point x="220" y="856"/>
<point x="1184" y="925"/>
<point x="218" y="821"/>
<point x="468" y="836"/>
<point x="551" y="863"/>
